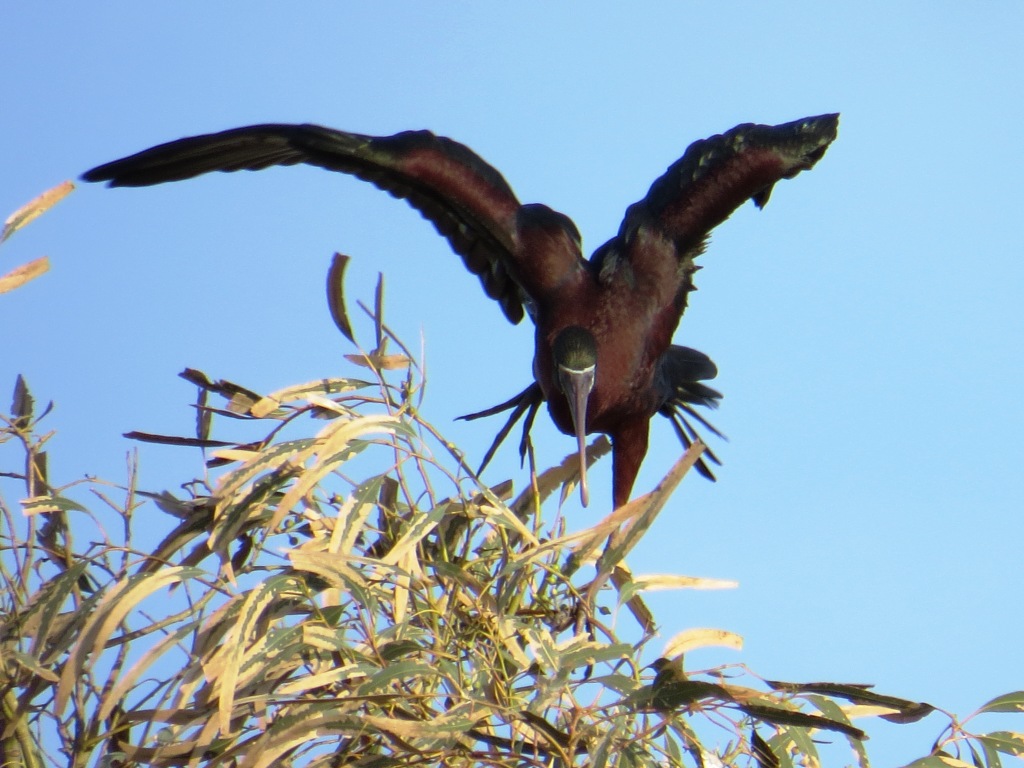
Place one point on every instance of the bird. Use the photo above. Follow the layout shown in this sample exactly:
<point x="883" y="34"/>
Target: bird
<point x="604" y="361"/>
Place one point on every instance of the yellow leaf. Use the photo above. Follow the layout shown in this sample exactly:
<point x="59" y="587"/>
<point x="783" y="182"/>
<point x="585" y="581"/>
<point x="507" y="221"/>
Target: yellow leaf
<point x="21" y="275"/>
<point x="35" y="207"/>
<point x="234" y="454"/>
<point x="699" y="637"/>
<point x="659" y="581"/>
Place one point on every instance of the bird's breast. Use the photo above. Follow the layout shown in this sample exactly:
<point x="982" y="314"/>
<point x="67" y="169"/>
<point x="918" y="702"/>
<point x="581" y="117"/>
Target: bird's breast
<point x="628" y="347"/>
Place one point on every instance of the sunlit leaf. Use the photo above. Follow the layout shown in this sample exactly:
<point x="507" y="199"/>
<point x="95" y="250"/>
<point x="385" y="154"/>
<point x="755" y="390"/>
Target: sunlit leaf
<point x="699" y="637"/>
<point x="939" y="761"/>
<point x="116" y="694"/>
<point x="52" y="627"/>
<point x="1007" y="742"/>
<point x="39" y="504"/>
<point x="326" y="387"/>
<point x="647" y="508"/>
<point x="33" y="665"/>
<point x="34" y="208"/>
<point x="123" y="598"/>
<point x="335" y="570"/>
<point x="833" y="711"/>
<point x="18" y="276"/>
<point x="566" y="472"/>
<point x="380" y="362"/>
<point x="992" y="758"/>
<point x="1009" y="702"/>
<point x="664" y="581"/>
<point x="800" y="741"/>
<point x="335" y="445"/>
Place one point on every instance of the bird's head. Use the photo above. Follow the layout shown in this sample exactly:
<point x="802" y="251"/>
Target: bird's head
<point x="575" y="352"/>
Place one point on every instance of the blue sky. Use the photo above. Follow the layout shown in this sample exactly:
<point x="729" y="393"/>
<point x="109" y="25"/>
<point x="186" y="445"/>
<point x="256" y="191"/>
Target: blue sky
<point x="866" y="324"/>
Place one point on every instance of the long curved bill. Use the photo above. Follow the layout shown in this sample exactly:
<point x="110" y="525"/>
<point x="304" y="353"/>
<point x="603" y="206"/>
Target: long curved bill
<point x="579" y="384"/>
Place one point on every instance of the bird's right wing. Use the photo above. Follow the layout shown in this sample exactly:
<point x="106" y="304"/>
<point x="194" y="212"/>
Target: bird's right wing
<point x="702" y="188"/>
<point x="467" y="200"/>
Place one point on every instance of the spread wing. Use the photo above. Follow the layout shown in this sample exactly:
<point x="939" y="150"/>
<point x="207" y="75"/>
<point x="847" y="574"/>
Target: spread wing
<point x="466" y="199"/>
<point x="701" y="189"/>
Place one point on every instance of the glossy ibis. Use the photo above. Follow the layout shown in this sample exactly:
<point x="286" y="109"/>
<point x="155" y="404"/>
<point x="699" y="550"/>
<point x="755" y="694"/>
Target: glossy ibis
<point x="604" y="361"/>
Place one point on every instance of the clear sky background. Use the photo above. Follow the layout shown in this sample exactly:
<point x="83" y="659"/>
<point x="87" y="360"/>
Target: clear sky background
<point x="866" y="324"/>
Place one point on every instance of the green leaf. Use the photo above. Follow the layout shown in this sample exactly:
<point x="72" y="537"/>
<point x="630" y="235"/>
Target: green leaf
<point x="932" y="761"/>
<point x="1007" y="742"/>
<point x="38" y="504"/>
<point x="23" y="404"/>
<point x="270" y="404"/>
<point x="778" y="716"/>
<point x="830" y="709"/>
<point x="906" y="711"/>
<point x="992" y="759"/>
<point x="336" y="295"/>
<point x="1008" y="702"/>
<point x="762" y="751"/>
<point x="798" y="739"/>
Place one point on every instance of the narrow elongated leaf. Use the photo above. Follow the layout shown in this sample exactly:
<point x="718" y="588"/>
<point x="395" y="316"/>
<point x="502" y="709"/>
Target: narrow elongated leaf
<point x="336" y="295"/>
<point x="797" y="743"/>
<point x="323" y="387"/>
<point x="31" y="663"/>
<point x="380" y="362"/>
<point x="116" y="694"/>
<point x="940" y="760"/>
<point x="700" y="637"/>
<point x="1007" y="742"/>
<point x="1008" y="702"/>
<point x="18" y="276"/>
<point x="992" y="758"/>
<point x="333" y="446"/>
<point x="193" y="442"/>
<point x="657" y="582"/>
<point x="46" y="620"/>
<point x="780" y="716"/>
<point x="242" y="636"/>
<point x="337" y="571"/>
<point x="110" y="612"/>
<point x="563" y="475"/>
<point x="40" y="504"/>
<point x="34" y="208"/>
<point x="762" y="752"/>
<point x="904" y="710"/>
<point x="833" y="711"/>
<point x="22" y="404"/>
<point x="647" y="508"/>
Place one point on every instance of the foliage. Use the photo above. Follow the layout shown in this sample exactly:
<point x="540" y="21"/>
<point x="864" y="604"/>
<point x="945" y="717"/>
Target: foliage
<point x="342" y="590"/>
<point x="18" y="276"/>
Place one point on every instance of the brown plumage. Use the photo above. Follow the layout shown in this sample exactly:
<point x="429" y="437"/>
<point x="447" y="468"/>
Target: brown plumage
<point x="604" y="361"/>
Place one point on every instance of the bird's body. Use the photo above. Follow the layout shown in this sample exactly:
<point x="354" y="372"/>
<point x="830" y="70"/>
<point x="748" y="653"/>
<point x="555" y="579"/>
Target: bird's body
<point x="603" y="325"/>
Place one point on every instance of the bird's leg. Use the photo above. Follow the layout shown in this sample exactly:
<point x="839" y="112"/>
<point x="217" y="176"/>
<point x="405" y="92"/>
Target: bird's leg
<point x="524" y="443"/>
<point x="629" y="446"/>
<point x="687" y="434"/>
<point x="529" y="399"/>
<point x="512" y="402"/>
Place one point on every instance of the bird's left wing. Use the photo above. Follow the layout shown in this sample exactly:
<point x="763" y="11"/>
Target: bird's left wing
<point x="467" y="200"/>
<point x="701" y="189"/>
